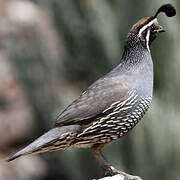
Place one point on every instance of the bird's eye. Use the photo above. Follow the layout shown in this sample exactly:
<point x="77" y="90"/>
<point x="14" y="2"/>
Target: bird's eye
<point x="152" y="28"/>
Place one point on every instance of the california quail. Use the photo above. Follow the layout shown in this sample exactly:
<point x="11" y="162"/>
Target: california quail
<point x="113" y="104"/>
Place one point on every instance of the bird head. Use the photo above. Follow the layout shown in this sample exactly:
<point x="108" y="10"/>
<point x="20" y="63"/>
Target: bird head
<point x="147" y="29"/>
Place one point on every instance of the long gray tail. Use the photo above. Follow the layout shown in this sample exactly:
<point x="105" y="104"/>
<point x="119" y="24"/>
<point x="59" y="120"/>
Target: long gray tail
<point x="47" y="142"/>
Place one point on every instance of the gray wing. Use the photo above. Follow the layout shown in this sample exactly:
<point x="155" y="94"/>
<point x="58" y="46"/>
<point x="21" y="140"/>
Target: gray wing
<point x="99" y="96"/>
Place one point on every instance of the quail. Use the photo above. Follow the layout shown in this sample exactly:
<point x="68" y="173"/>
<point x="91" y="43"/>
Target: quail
<point x="113" y="104"/>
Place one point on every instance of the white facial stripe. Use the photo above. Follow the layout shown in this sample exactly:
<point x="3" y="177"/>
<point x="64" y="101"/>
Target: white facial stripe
<point x="147" y="39"/>
<point x="146" y="26"/>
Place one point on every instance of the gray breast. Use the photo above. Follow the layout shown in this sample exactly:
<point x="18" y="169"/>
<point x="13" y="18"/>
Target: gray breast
<point x="142" y="77"/>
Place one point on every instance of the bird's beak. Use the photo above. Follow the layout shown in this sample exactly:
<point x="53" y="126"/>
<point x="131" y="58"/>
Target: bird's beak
<point x="161" y="29"/>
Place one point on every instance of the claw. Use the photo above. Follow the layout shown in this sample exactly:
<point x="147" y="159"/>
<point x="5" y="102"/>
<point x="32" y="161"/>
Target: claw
<point x="106" y="166"/>
<point x="111" y="171"/>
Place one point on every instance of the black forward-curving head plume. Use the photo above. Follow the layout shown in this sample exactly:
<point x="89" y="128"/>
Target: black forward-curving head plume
<point x="168" y="9"/>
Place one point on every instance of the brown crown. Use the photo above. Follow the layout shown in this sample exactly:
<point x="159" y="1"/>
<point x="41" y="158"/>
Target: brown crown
<point x="135" y="29"/>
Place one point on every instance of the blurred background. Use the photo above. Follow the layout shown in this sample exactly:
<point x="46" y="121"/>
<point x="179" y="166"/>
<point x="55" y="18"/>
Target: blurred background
<point x="52" y="50"/>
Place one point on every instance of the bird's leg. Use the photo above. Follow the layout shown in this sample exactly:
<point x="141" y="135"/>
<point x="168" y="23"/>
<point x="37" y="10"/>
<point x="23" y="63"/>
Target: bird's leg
<point x="107" y="167"/>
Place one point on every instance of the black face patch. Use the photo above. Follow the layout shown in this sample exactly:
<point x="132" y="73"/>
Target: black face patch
<point x="152" y="36"/>
<point x="144" y="34"/>
<point x="155" y="30"/>
<point x="144" y="38"/>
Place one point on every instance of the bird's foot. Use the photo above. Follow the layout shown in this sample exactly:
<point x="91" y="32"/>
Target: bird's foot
<point x="111" y="171"/>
